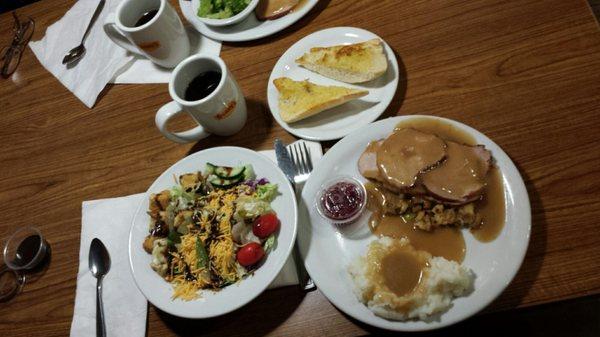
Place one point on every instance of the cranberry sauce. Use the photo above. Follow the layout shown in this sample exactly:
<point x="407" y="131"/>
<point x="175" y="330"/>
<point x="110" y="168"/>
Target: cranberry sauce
<point x="342" y="200"/>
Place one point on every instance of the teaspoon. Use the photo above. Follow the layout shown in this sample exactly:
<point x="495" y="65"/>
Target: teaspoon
<point x="77" y="53"/>
<point x="99" y="265"/>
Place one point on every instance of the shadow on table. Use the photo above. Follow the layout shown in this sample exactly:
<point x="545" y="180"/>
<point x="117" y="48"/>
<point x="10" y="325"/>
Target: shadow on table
<point x="396" y="103"/>
<point x="268" y="311"/>
<point x="254" y="133"/>
<point x="572" y="318"/>
<point x="305" y="20"/>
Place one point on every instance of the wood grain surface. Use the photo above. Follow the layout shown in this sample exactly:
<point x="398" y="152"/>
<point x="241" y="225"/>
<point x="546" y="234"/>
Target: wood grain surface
<point x="525" y="73"/>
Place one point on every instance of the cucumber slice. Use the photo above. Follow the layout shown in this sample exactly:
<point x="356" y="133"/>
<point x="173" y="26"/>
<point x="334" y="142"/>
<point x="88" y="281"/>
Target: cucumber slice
<point x="249" y="173"/>
<point x="218" y="182"/>
<point x="210" y="169"/>
<point x="226" y="172"/>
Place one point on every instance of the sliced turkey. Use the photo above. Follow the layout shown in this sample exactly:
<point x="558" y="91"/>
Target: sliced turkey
<point x="406" y="153"/>
<point x="367" y="163"/>
<point x="461" y="177"/>
<point x="367" y="166"/>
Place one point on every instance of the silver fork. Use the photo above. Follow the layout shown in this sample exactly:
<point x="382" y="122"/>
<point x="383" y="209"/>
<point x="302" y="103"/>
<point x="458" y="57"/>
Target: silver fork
<point x="301" y="157"/>
<point x="302" y="160"/>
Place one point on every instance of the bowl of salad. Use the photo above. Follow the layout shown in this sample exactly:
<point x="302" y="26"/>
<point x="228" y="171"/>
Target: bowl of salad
<point x="224" y="12"/>
<point x="212" y="232"/>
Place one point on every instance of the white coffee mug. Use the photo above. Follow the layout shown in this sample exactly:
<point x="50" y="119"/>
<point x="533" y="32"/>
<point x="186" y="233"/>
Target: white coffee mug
<point x="222" y="112"/>
<point x="163" y="39"/>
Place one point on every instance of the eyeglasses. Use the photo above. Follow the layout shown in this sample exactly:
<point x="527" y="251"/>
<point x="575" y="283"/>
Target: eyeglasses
<point x="11" y="55"/>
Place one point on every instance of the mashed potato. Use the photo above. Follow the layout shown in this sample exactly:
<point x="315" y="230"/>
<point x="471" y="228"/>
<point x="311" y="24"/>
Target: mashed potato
<point x="397" y="282"/>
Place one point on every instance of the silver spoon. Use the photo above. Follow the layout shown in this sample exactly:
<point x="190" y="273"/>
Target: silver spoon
<point x="77" y="53"/>
<point x="99" y="265"/>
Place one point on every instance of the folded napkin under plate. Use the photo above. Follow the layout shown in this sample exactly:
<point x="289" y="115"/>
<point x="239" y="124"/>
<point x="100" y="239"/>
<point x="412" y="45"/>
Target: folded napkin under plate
<point x="124" y="305"/>
<point x="104" y="61"/>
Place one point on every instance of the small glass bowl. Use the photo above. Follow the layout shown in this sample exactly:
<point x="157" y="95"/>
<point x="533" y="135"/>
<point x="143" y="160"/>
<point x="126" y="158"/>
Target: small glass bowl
<point x="25" y="249"/>
<point x="352" y="216"/>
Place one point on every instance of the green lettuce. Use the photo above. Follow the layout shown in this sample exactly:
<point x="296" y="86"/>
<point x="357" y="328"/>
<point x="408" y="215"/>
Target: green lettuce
<point x="249" y="207"/>
<point x="270" y="243"/>
<point x="266" y="192"/>
<point x="178" y="192"/>
<point x="221" y="9"/>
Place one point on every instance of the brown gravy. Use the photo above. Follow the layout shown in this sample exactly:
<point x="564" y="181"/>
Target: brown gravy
<point x="492" y="208"/>
<point x="401" y="271"/>
<point x="439" y="128"/>
<point x="446" y="242"/>
<point x="274" y="9"/>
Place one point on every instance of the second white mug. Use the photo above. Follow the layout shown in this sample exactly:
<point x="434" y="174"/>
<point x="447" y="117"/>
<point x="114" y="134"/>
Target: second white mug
<point x="150" y="28"/>
<point x="221" y="112"/>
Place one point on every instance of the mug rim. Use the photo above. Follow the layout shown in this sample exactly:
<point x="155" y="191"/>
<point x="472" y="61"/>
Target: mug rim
<point x="122" y="27"/>
<point x="185" y="62"/>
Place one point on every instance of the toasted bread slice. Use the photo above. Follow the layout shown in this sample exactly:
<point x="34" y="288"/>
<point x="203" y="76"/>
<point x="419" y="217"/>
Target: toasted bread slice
<point x="354" y="63"/>
<point x="302" y="99"/>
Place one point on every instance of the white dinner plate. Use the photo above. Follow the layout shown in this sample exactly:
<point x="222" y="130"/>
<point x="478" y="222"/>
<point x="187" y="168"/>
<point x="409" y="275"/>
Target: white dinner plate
<point x="337" y="122"/>
<point x="328" y="252"/>
<point x="249" y="29"/>
<point x="210" y="303"/>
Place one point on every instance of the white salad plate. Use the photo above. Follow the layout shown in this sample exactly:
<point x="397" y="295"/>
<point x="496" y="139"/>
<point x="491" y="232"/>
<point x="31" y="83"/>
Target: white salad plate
<point x="249" y="29"/>
<point x="210" y="303"/>
<point x="327" y="251"/>
<point x="337" y="122"/>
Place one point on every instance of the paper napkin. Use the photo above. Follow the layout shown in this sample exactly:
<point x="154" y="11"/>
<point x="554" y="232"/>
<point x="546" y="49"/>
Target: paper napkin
<point x="103" y="59"/>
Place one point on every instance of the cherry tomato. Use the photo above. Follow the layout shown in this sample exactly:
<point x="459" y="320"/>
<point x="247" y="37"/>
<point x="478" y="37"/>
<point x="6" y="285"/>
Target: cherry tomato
<point x="250" y="254"/>
<point x="265" y="225"/>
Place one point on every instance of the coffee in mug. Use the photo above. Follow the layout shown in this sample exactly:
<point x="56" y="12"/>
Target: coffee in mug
<point x="146" y="17"/>
<point x="203" y="87"/>
<point x="150" y="28"/>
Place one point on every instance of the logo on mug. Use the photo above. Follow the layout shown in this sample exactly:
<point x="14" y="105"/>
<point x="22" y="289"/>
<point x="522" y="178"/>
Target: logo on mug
<point x="227" y="111"/>
<point x="149" y="47"/>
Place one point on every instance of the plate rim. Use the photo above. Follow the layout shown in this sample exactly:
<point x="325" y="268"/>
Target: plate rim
<point x="391" y="58"/>
<point x="525" y="211"/>
<point x="288" y="188"/>
<point x="308" y="6"/>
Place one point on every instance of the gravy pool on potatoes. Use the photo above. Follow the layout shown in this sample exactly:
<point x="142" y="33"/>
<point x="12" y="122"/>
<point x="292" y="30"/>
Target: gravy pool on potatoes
<point x="402" y="270"/>
<point x="445" y="241"/>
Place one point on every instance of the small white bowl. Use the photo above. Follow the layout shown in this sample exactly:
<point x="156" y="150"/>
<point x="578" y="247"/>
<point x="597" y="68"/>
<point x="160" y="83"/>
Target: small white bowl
<point x="232" y="20"/>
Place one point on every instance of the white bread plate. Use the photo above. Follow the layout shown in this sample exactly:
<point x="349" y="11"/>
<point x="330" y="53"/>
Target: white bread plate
<point x="342" y="120"/>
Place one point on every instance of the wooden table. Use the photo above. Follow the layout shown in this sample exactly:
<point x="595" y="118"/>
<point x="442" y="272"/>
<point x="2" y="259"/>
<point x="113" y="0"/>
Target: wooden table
<point x="525" y="73"/>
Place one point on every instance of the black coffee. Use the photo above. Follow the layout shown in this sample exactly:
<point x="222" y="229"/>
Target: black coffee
<point x="146" y="17"/>
<point x="202" y="85"/>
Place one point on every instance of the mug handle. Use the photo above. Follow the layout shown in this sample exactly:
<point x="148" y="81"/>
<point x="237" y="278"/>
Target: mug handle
<point x="111" y="30"/>
<point x="168" y="111"/>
